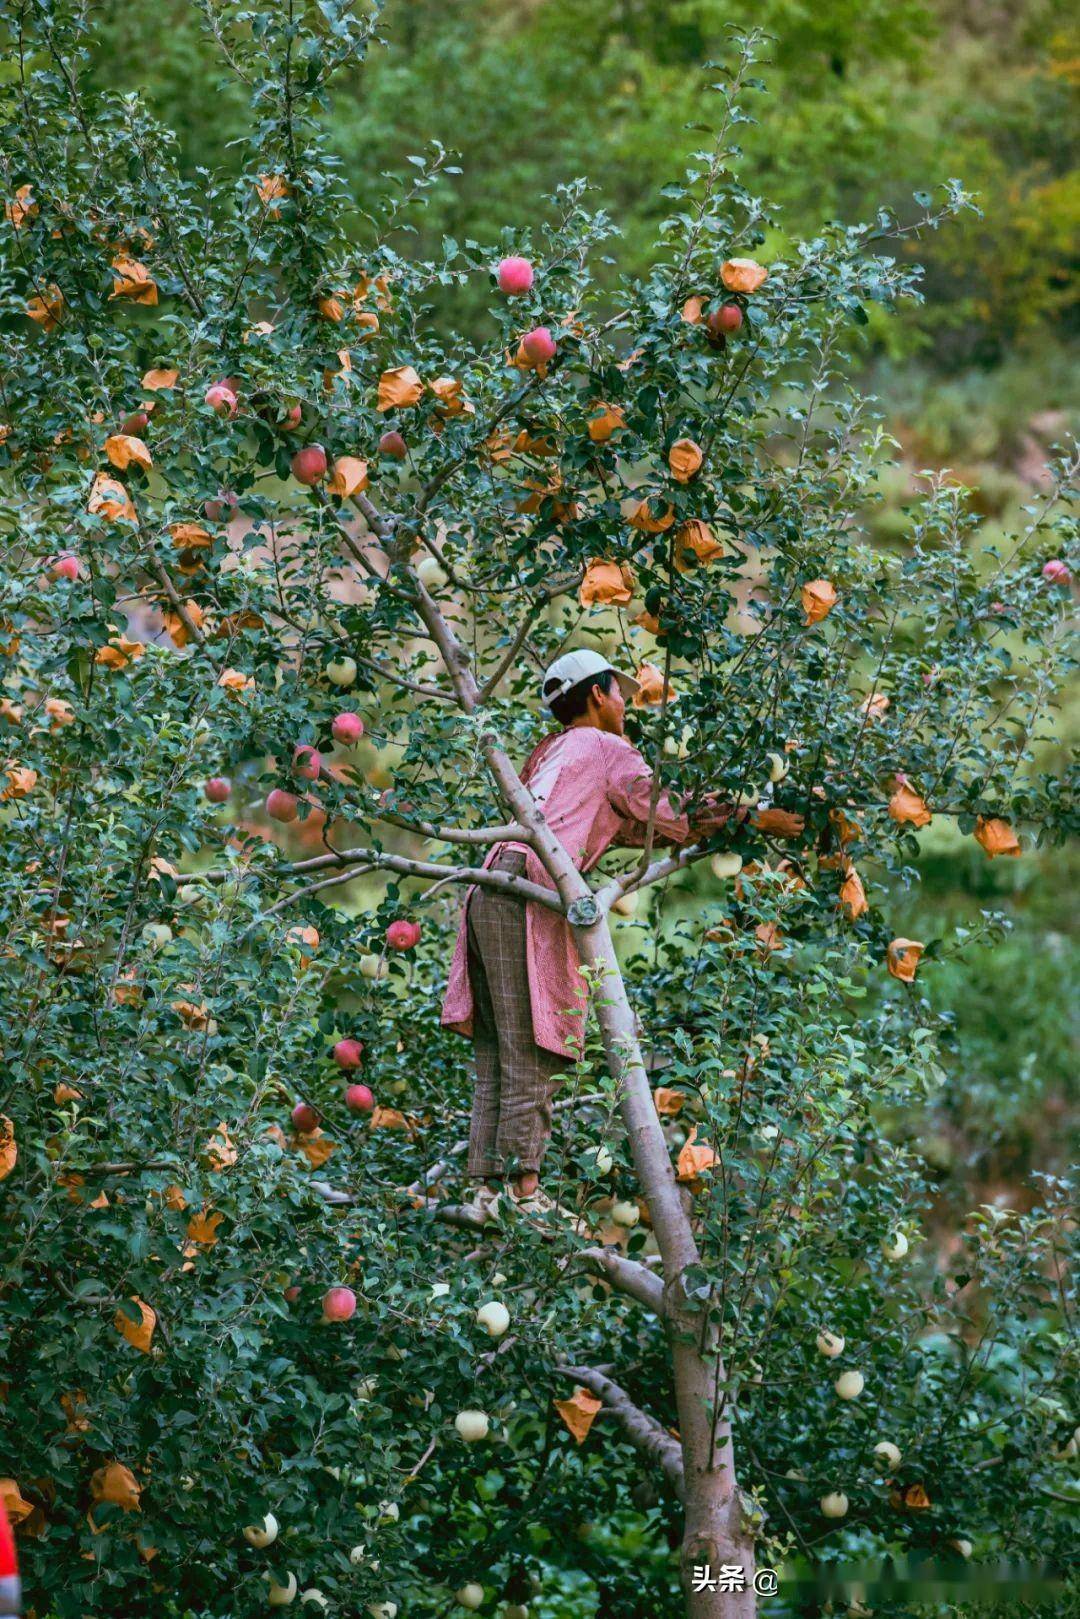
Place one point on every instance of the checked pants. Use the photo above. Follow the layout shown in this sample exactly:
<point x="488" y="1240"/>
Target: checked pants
<point x="516" y="1079"/>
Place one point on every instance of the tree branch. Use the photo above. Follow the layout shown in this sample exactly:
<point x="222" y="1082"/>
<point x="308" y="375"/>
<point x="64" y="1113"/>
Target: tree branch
<point x="654" y="873"/>
<point x="491" y="683"/>
<point x="483" y="835"/>
<point x="642" y="1430"/>
<point x="379" y="860"/>
<point x="395" y="679"/>
<point x="625" y="1275"/>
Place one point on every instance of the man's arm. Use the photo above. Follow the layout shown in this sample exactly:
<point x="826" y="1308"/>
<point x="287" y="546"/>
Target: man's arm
<point x="630" y="794"/>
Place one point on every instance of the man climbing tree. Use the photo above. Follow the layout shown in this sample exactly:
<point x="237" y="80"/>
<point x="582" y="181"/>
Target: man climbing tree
<point x="515" y="982"/>
<point x="286" y="556"/>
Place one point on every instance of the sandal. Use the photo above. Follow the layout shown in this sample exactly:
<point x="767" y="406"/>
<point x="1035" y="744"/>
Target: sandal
<point x="485" y="1205"/>
<point x="538" y="1207"/>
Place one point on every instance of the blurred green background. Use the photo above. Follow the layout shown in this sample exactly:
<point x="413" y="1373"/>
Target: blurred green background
<point x="870" y="101"/>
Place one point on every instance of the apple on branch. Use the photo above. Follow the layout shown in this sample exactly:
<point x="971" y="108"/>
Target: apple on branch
<point x="515" y="276"/>
<point x="347" y="728"/>
<point x="348" y="1053"/>
<point x="339" y="1304"/>
<point x="309" y="465"/>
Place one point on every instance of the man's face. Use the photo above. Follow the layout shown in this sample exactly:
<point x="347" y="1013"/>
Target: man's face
<point x="610" y="707"/>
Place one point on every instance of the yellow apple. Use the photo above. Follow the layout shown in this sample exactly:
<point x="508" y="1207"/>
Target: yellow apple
<point x="280" y="1596"/>
<point x="835" y="1504"/>
<point x="341" y="671"/>
<point x="262" y="1534"/>
<point x="472" y="1425"/>
<point x="830" y="1344"/>
<point x="602" y="1159"/>
<point x="895" y="1245"/>
<point x="494" y="1318"/>
<point x="431" y="573"/>
<point x="726" y="865"/>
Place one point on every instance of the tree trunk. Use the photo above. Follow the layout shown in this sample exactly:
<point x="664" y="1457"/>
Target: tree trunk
<point x="715" y="1534"/>
<point x="714" y="1530"/>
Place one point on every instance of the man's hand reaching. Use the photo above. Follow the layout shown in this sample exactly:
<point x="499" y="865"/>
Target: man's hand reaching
<point x="780" y="823"/>
<point x="715" y="812"/>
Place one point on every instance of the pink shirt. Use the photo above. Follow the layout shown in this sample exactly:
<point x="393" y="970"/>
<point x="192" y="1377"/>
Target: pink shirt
<point x="594" y="789"/>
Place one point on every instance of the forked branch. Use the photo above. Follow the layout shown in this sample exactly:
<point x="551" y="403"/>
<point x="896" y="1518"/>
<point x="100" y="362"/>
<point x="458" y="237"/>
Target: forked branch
<point x="643" y="1431"/>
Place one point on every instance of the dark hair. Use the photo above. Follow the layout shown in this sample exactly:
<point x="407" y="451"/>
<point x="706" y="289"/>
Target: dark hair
<point x="574" y="702"/>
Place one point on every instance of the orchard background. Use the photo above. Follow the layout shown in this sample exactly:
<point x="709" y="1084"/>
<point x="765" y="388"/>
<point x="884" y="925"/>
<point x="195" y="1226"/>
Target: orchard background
<point x="294" y="511"/>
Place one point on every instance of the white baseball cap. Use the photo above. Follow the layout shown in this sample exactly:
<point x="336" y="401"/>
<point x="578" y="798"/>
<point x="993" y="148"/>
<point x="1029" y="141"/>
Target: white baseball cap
<point x="573" y="667"/>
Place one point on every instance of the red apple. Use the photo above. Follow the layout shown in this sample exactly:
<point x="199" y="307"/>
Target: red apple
<point x="539" y="345"/>
<point x="339" y="1304"/>
<point x="402" y="935"/>
<point x="1056" y="572"/>
<point x="281" y="806"/>
<point x="515" y="276"/>
<point x="65" y="567"/>
<point x="394" y="445"/>
<point x="728" y="318"/>
<point x="305" y="1118"/>
<point x="307" y="761"/>
<point x="292" y="1294"/>
<point x="359" y="1099"/>
<point x="309" y="464"/>
<point x="217" y="789"/>
<point x="222" y="506"/>
<point x="347" y="728"/>
<point x="292" y="418"/>
<point x="221" y="399"/>
<point x="136" y="423"/>
<point x="349" y="1053"/>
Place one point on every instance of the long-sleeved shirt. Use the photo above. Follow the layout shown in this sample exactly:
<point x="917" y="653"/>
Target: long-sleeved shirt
<point x="595" y="790"/>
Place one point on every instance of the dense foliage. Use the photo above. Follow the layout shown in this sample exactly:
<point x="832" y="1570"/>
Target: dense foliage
<point x="180" y="607"/>
<point x="868" y="100"/>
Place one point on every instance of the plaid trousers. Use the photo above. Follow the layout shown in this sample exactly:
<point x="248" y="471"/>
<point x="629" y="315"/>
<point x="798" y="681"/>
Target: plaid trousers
<point x="516" y="1079"/>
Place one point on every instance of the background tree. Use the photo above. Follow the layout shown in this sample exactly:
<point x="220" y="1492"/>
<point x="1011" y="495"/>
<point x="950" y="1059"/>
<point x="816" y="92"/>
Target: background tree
<point x="249" y="468"/>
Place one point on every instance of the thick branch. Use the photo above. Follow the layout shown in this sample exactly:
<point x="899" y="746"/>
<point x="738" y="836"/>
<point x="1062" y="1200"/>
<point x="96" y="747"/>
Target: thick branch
<point x="642" y="1430"/>
<point x="455" y="834"/>
<point x="626" y="1276"/>
<point x="379" y="860"/>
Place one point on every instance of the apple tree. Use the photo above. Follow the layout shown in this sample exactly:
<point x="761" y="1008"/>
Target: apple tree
<point x="284" y="555"/>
